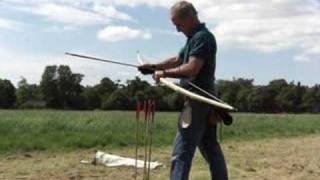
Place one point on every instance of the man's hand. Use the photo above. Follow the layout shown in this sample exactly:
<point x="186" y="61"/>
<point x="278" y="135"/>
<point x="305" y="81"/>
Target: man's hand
<point x="147" y="68"/>
<point x="157" y="75"/>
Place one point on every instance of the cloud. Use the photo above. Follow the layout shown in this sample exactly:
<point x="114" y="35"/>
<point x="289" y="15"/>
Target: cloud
<point x="121" y="33"/>
<point x="9" y="24"/>
<point x="69" y="15"/>
<point x="302" y="58"/>
<point x="135" y="3"/>
<point x="266" y="26"/>
<point x="79" y="13"/>
<point x="111" y="12"/>
<point x="59" y="29"/>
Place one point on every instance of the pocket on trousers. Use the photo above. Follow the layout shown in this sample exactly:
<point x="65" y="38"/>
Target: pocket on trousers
<point x="186" y="116"/>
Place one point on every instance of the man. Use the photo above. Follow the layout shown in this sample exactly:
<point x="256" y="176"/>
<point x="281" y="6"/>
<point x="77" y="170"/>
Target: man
<point x="195" y="63"/>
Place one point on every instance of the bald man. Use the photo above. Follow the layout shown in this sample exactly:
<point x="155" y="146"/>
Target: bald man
<point x="195" y="63"/>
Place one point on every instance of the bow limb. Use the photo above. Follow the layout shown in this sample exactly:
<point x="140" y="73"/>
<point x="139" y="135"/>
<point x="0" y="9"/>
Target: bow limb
<point x="195" y="96"/>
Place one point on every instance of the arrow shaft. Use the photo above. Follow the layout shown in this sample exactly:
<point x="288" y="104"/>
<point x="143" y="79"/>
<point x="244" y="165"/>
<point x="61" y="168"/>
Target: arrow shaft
<point x="101" y="60"/>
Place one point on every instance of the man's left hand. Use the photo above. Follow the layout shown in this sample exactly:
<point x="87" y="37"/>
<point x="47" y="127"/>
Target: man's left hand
<point x="147" y="69"/>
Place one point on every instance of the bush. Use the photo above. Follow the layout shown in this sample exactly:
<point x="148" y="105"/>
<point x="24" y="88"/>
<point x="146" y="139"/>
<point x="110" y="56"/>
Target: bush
<point x="33" y="104"/>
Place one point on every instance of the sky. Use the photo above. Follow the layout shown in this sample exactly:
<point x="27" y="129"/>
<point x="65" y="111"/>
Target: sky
<point x="260" y="40"/>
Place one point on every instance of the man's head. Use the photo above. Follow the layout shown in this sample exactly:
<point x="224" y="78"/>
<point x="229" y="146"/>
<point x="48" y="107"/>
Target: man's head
<point x="184" y="16"/>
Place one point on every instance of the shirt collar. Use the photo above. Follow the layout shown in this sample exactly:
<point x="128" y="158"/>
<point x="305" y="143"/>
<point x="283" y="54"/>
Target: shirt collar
<point x="197" y="28"/>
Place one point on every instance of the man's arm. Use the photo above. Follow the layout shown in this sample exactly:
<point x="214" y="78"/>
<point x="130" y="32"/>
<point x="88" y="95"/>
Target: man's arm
<point x="166" y="64"/>
<point x="188" y="70"/>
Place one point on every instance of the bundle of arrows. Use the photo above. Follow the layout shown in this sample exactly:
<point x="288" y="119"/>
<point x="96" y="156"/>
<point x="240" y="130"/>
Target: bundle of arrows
<point x="147" y="108"/>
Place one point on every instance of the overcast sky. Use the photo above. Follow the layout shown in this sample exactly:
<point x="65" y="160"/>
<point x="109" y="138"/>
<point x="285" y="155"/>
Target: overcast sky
<point x="256" y="39"/>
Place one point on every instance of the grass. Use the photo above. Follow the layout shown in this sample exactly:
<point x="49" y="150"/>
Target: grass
<point x="281" y="159"/>
<point x="33" y="130"/>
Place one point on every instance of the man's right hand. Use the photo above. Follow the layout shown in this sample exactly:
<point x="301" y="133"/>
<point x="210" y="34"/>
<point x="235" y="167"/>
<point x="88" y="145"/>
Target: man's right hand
<point x="147" y="68"/>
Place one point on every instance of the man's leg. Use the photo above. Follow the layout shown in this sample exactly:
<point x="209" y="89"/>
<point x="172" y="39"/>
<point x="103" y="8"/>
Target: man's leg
<point x="211" y="151"/>
<point x="187" y="140"/>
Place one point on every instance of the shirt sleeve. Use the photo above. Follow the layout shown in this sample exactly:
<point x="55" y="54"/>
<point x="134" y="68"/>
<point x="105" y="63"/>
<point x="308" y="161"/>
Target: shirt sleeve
<point x="200" y="48"/>
<point x="181" y="53"/>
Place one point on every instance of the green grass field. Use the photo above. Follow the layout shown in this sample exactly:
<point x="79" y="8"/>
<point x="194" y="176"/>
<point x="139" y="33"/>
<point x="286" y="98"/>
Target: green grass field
<point x="33" y="130"/>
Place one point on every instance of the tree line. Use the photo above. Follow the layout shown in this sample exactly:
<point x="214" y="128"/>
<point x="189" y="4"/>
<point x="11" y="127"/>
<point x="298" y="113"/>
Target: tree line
<point x="60" y="88"/>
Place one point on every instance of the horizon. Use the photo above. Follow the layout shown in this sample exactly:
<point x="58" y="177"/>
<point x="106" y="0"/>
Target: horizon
<point x="149" y="79"/>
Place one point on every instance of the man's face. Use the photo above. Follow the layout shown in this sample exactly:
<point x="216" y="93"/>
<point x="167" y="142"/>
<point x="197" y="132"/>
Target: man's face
<point x="183" y="25"/>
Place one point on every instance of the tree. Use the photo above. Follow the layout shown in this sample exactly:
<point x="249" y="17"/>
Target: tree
<point x="49" y="87"/>
<point x="235" y="92"/>
<point x="257" y="99"/>
<point x="117" y="100"/>
<point x="242" y="99"/>
<point x="135" y="85"/>
<point x="69" y="88"/>
<point x="92" y="96"/>
<point x="244" y="87"/>
<point x="100" y="92"/>
<point x="61" y="88"/>
<point x="288" y="99"/>
<point x="138" y="89"/>
<point x="7" y="94"/>
<point x="29" y="95"/>
<point x="174" y="101"/>
<point x="311" y="99"/>
<point x="276" y="85"/>
<point x="227" y="91"/>
<point x="106" y="86"/>
<point x="274" y="88"/>
<point x="23" y="92"/>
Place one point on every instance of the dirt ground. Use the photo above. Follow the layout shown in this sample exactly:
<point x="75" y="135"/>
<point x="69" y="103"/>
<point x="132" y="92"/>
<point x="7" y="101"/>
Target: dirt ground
<point x="270" y="159"/>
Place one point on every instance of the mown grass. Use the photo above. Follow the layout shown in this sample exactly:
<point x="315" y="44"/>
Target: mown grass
<point x="29" y="130"/>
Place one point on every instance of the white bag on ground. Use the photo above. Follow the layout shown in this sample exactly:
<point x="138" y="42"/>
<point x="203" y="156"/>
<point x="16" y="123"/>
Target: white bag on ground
<point x="111" y="160"/>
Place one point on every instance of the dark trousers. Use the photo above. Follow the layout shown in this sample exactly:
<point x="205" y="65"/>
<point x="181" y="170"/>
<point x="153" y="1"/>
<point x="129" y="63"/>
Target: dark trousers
<point x="194" y="131"/>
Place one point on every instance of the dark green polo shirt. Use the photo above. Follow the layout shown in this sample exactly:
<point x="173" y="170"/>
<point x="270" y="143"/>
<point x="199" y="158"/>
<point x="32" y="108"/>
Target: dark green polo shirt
<point x="201" y="44"/>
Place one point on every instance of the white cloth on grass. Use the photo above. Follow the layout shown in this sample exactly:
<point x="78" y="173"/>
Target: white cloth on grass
<point x="111" y="160"/>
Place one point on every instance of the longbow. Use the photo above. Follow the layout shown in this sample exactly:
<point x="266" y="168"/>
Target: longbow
<point x="190" y="94"/>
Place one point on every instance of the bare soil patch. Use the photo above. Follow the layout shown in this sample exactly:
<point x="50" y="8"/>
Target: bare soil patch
<point x="286" y="158"/>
